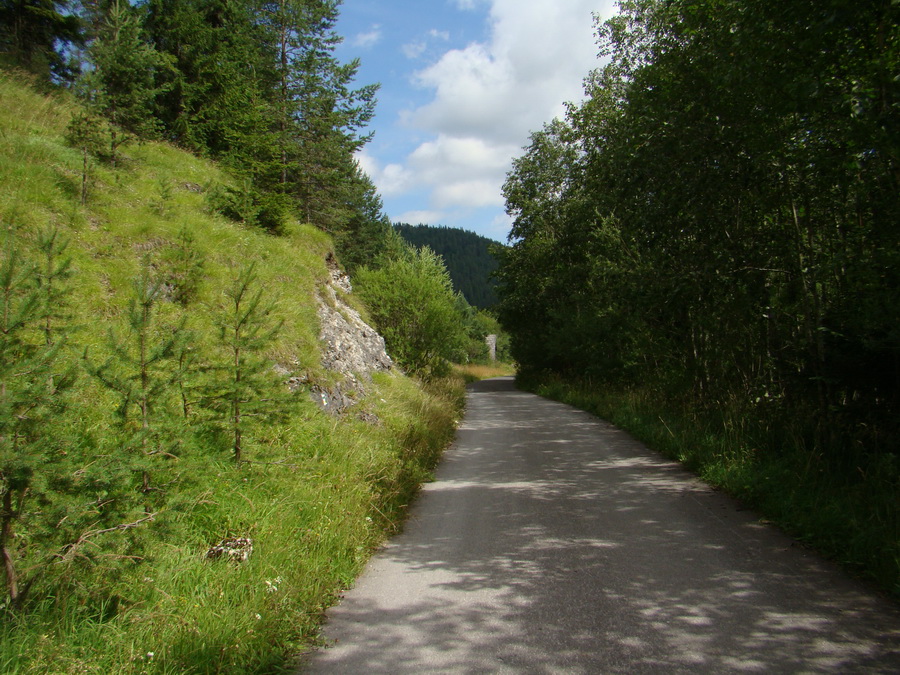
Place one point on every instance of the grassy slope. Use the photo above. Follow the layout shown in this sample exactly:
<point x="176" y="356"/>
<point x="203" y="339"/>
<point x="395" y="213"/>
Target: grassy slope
<point x="314" y="518"/>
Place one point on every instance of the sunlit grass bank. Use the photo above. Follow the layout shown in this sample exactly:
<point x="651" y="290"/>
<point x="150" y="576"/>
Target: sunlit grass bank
<point x="473" y="372"/>
<point x="316" y="494"/>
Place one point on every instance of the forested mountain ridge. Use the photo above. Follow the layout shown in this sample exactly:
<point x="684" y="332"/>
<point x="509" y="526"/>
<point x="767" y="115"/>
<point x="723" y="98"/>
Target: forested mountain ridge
<point x="467" y="256"/>
<point x="712" y="237"/>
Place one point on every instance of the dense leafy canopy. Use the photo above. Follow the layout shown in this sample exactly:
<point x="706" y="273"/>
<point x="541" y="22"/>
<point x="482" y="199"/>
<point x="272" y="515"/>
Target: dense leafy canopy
<point x="414" y="306"/>
<point x="718" y="220"/>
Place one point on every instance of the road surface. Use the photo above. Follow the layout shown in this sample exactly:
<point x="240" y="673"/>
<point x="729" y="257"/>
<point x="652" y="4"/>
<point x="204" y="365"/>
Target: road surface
<point x="551" y="542"/>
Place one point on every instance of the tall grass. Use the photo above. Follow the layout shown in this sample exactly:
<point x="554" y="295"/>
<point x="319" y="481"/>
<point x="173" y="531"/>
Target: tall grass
<point x="473" y="372"/>
<point x="844" y="505"/>
<point x="318" y="493"/>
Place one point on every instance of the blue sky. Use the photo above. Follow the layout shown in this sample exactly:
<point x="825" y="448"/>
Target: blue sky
<point x="463" y="84"/>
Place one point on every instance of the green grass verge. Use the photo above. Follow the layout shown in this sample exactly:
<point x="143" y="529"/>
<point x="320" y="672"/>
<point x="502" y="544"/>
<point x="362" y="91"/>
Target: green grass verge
<point x="340" y="487"/>
<point x="848" y="510"/>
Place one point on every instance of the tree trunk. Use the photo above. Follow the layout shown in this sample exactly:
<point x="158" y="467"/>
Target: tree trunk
<point x="236" y="402"/>
<point x="6" y="535"/>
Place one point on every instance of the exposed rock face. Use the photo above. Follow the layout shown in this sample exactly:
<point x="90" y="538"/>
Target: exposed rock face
<point x="351" y="347"/>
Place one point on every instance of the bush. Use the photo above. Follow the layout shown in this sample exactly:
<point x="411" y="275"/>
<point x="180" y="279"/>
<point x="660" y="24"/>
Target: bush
<point x="414" y="306"/>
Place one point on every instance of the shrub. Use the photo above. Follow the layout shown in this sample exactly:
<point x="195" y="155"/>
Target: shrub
<point x="414" y="306"/>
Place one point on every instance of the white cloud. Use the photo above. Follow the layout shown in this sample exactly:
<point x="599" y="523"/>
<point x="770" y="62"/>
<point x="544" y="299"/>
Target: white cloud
<point x="461" y="172"/>
<point x="414" y="50"/>
<point x="470" y="193"/>
<point x="537" y="57"/>
<point x="488" y="97"/>
<point x="391" y="179"/>
<point x="368" y="39"/>
<point x="417" y="48"/>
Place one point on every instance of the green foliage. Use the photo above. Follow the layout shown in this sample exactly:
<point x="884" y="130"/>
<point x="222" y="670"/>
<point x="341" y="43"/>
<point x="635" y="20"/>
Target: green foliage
<point x="247" y="392"/>
<point x="258" y="87"/>
<point x="717" y="227"/>
<point x="140" y="372"/>
<point x="468" y="257"/>
<point x="414" y="307"/>
<point x="367" y="235"/>
<point x="121" y="86"/>
<point x="254" y="85"/>
<point x="237" y="204"/>
<point x="31" y="33"/>
<point x="713" y="220"/>
<point x="184" y="266"/>
<point x="89" y="134"/>
<point x="53" y="274"/>
<point x="104" y="578"/>
<point x="31" y="391"/>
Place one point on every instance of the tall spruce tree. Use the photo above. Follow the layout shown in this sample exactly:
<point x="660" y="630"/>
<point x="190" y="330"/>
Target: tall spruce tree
<point x="320" y="114"/>
<point x="122" y="83"/>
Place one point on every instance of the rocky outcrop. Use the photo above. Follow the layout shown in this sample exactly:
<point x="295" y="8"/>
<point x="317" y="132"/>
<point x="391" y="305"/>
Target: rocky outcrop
<point x="351" y="347"/>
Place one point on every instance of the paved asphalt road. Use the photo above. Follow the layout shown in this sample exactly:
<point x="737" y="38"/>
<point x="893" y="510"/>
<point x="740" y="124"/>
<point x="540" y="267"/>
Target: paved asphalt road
<point x="553" y="543"/>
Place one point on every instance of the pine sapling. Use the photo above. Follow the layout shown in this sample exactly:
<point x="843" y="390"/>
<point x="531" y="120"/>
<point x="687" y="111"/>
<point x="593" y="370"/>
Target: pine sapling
<point x="248" y="390"/>
<point x="86" y="132"/>
<point x="29" y="393"/>
<point x="184" y="263"/>
<point x="140" y="372"/>
<point x="54" y="272"/>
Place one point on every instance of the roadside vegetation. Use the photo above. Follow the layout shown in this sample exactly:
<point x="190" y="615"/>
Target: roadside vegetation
<point x="705" y="251"/>
<point x="474" y="372"/>
<point x="146" y="343"/>
<point x="426" y="324"/>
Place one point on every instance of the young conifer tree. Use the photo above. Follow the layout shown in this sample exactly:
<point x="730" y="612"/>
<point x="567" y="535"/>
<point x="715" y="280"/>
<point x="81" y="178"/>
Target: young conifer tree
<point x="88" y="133"/>
<point x="30" y="393"/>
<point x="122" y="85"/>
<point x="53" y="273"/>
<point x="248" y="389"/>
<point x="142" y="374"/>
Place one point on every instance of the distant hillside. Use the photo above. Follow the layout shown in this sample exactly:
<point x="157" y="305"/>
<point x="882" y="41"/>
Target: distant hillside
<point x="466" y="255"/>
